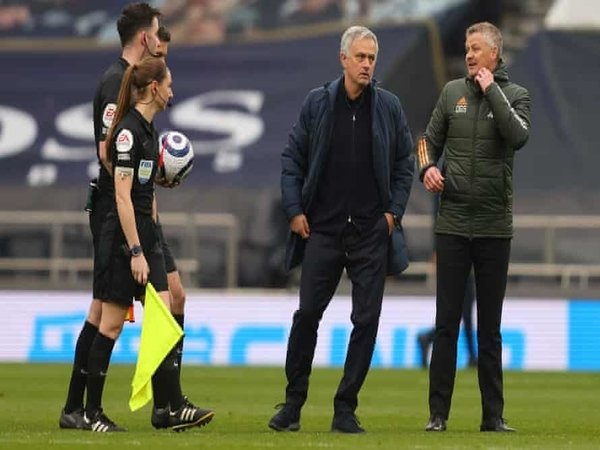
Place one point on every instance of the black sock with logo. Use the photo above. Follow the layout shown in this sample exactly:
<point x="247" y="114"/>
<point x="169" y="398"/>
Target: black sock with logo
<point x="80" y="367"/>
<point x="179" y="346"/>
<point x="99" y="360"/>
<point x="166" y="379"/>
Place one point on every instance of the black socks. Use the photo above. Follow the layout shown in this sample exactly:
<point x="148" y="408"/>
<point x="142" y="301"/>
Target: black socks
<point x="179" y="346"/>
<point x="80" y="367"/>
<point x="99" y="360"/>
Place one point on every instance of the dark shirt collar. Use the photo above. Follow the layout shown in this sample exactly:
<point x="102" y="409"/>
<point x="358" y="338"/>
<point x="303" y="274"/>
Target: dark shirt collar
<point x="145" y="124"/>
<point x="358" y="102"/>
<point x="331" y="90"/>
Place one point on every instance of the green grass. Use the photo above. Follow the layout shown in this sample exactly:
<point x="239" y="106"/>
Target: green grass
<point x="550" y="410"/>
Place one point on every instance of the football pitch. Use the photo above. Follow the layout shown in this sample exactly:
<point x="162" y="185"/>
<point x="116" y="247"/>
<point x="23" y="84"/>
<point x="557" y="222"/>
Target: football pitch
<point x="550" y="410"/>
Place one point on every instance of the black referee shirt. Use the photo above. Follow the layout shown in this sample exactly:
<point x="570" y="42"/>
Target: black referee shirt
<point x="135" y="145"/>
<point x="105" y="104"/>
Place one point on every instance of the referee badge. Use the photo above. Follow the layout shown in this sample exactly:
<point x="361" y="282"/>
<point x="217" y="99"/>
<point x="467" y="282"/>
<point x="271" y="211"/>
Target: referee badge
<point x="145" y="170"/>
<point x="109" y="114"/>
<point x="124" y="141"/>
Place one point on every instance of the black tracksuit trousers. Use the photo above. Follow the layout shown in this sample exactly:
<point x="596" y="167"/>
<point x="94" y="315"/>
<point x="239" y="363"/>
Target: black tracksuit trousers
<point x="489" y="257"/>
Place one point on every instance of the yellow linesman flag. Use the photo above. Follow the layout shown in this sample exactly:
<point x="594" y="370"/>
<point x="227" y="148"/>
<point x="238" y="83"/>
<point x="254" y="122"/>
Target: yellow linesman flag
<point x="160" y="333"/>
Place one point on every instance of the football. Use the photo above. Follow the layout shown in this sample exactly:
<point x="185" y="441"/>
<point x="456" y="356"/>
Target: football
<point x="176" y="156"/>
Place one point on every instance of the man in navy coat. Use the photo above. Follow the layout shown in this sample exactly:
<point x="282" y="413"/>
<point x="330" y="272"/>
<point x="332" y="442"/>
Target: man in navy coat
<point x="346" y="176"/>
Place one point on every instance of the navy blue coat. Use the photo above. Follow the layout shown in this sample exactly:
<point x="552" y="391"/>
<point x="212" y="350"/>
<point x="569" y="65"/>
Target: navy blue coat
<point x="305" y="154"/>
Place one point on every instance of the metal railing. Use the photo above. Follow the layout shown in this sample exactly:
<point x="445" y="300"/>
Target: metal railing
<point x="56" y="222"/>
<point x="548" y="266"/>
<point x="56" y="263"/>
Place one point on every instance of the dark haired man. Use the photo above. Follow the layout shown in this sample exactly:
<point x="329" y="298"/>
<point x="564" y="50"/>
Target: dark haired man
<point x="164" y="36"/>
<point x="138" y="28"/>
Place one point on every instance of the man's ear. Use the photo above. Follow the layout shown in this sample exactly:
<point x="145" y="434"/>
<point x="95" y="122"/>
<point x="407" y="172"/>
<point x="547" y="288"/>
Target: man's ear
<point x="495" y="53"/>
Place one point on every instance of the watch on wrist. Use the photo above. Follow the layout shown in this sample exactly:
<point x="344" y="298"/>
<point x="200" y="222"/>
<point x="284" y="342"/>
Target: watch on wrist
<point x="135" y="250"/>
<point x="396" y="221"/>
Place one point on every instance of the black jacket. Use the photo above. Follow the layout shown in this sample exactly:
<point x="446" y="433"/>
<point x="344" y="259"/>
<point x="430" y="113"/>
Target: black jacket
<point x="304" y="156"/>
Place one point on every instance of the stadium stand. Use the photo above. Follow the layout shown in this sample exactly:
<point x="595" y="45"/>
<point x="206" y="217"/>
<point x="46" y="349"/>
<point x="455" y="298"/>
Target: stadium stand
<point x="207" y="21"/>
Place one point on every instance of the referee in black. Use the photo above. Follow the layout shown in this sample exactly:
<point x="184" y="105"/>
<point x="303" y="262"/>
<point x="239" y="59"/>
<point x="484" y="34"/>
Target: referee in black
<point x="140" y="35"/>
<point x="130" y="254"/>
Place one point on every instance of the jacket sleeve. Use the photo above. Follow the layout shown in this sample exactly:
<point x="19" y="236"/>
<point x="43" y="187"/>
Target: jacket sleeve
<point x="431" y="144"/>
<point x="294" y="164"/>
<point x="403" y="166"/>
<point x="512" y="120"/>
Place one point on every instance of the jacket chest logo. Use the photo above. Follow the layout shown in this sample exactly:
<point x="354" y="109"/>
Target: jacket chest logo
<point x="461" y="106"/>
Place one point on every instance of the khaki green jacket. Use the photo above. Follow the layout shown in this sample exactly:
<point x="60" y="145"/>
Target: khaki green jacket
<point x="478" y="134"/>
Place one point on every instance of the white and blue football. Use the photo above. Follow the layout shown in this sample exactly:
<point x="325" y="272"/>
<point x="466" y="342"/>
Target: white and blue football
<point x="176" y="156"/>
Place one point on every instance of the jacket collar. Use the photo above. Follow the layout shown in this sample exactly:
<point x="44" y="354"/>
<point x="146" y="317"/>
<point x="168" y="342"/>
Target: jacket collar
<point x="500" y="76"/>
<point x="501" y="72"/>
<point x="331" y="88"/>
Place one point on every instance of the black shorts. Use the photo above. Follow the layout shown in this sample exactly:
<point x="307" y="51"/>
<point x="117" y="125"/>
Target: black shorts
<point x="103" y="205"/>
<point x="169" y="258"/>
<point x="112" y="273"/>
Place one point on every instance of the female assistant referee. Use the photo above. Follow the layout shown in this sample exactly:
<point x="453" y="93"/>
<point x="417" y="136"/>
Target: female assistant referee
<point x="131" y="251"/>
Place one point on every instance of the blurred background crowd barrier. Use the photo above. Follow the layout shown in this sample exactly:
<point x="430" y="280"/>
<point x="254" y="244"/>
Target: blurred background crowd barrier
<point x="208" y="21"/>
<point x="241" y="70"/>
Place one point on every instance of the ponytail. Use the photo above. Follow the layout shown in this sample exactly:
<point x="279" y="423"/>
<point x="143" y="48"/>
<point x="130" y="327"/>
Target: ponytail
<point x="136" y="79"/>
